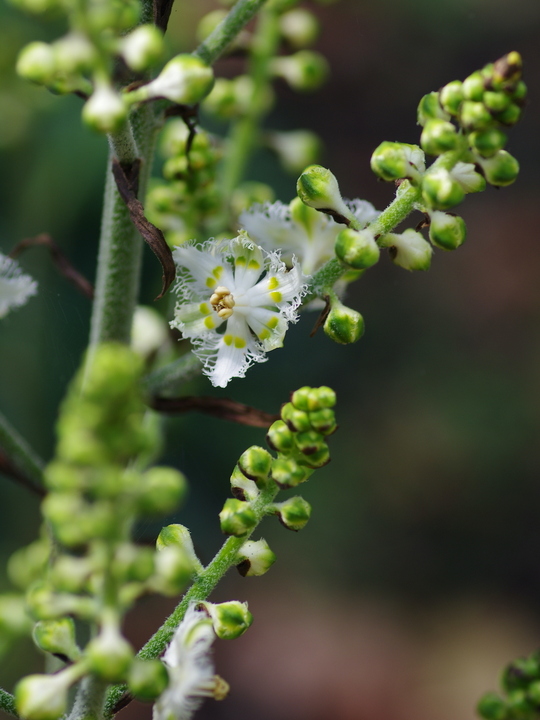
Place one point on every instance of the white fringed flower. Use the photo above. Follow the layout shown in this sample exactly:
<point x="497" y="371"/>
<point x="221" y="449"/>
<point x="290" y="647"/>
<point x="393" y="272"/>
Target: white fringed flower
<point x="237" y="287"/>
<point x="297" y="229"/>
<point x="15" y="286"/>
<point x="190" y="668"/>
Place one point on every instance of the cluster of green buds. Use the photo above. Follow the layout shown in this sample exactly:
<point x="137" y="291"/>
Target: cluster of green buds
<point x="182" y="205"/>
<point x="520" y="697"/>
<point x="86" y="566"/>
<point x="85" y="61"/>
<point x="299" y="440"/>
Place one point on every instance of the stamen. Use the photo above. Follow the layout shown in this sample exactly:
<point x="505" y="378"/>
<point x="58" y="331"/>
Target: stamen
<point x="222" y="301"/>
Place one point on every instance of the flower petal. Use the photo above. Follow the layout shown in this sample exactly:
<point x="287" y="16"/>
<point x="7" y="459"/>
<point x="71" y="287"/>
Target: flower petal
<point x="194" y="319"/>
<point x="248" y="263"/>
<point x="269" y="327"/>
<point x="208" y="269"/>
<point x="15" y="286"/>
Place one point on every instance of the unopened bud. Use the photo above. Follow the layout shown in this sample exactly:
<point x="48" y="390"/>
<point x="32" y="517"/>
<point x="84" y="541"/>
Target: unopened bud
<point x="440" y="190"/>
<point x="177" y="535"/>
<point x="185" y="80"/>
<point x="14" y="620"/>
<point x="149" y="331"/>
<point x="299" y="27"/>
<point x="174" y="569"/>
<point x="323" y="421"/>
<point x="229" y="619"/>
<point x="318" y="188"/>
<point x="430" y="108"/>
<point x="297" y="420"/>
<point x="357" y="248"/>
<point x="147" y="679"/>
<point x="74" y="54"/>
<point x="109" y="655"/>
<point x="243" y="488"/>
<point x="132" y="563"/>
<point x="451" y="97"/>
<point x="255" y="463"/>
<point x="305" y="70"/>
<point x="501" y="169"/>
<point x="510" y="115"/>
<point x="105" y="110"/>
<point x="36" y="62"/>
<point x="492" y="707"/>
<point x="473" y="87"/>
<point x="343" y="324"/>
<point x="295" y="149"/>
<point x="250" y="193"/>
<point x="280" y="438"/>
<point x="287" y="473"/>
<point x="57" y="637"/>
<point x="43" y="697"/>
<point x="70" y="573"/>
<point x="393" y="161"/>
<point x="255" y="558"/>
<point x="143" y="47"/>
<point x="474" y="115"/>
<point x="293" y="513"/>
<point x="439" y="136"/>
<point x="237" y="517"/>
<point x="488" y="142"/>
<point x="446" y="231"/>
<point x="409" y="250"/>
<point x="162" y="490"/>
<point x="468" y="178"/>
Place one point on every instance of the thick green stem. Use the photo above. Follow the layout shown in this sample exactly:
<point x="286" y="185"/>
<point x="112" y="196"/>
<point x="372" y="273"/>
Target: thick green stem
<point x="7" y="703"/>
<point x="20" y="452"/>
<point x="200" y="590"/>
<point x="89" y="701"/>
<point x="227" y="30"/>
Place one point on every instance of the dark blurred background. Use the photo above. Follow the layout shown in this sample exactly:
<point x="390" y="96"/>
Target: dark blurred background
<point x="418" y="575"/>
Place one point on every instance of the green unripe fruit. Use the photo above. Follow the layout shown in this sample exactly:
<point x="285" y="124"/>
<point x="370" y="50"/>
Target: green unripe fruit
<point x="440" y="191"/>
<point x="451" y="97"/>
<point x="447" y="232"/>
<point x="286" y="473"/>
<point x="501" y="169"/>
<point x="147" y="679"/>
<point x="439" y="136"/>
<point x="344" y="325"/>
<point x="492" y="707"/>
<point x="488" y="142"/>
<point x="430" y="108"/>
<point x="294" y="513"/>
<point x="280" y="438"/>
<point x="357" y="249"/>
<point x="237" y="517"/>
<point x="474" y="115"/>
<point x="162" y="490"/>
<point x="255" y="463"/>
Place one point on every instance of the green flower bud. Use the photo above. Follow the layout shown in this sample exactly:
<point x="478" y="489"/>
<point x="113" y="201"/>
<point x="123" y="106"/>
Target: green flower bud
<point x="27" y="565"/>
<point x="185" y="80"/>
<point x="393" y="161"/>
<point x="506" y="71"/>
<point x="237" y="517"/>
<point x="57" y="637"/>
<point x="467" y="178"/>
<point x="473" y="87"/>
<point x="343" y="325"/>
<point x="323" y="421"/>
<point x="429" y="108"/>
<point x="223" y="100"/>
<point x="105" y="110"/>
<point x="295" y="149"/>
<point x="104" y="15"/>
<point x="519" y="93"/>
<point x="162" y="490"/>
<point x="63" y="477"/>
<point x="447" y="232"/>
<point x="357" y="248"/>
<point x="229" y="619"/>
<point x="109" y="655"/>
<point x="174" y="569"/>
<point x="143" y="47"/>
<point x="286" y="472"/>
<point x="488" y="142"/>
<point x="533" y="692"/>
<point x="474" y="115"/>
<point x="311" y="399"/>
<point x="293" y="513"/>
<point x="317" y="459"/>
<point x="255" y="463"/>
<point x="36" y="62"/>
<point x="309" y="442"/>
<point x="492" y="707"/>
<point x="280" y="437"/>
<point x="42" y="697"/>
<point x="305" y="70"/>
<point x="451" y="97"/>
<point x="255" y="558"/>
<point x="14" y="620"/>
<point x="74" y="54"/>
<point x="439" y="136"/>
<point x="518" y="674"/>
<point x="297" y="420"/>
<point x="70" y="573"/>
<point x="318" y="188"/>
<point x="243" y="488"/>
<point x="440" y="190"/>
<point x="496" y="101"/>
<point x="501" y="169"/>
<point x="409" y="250"/>
<point x="45" y="604"/>
<point x="132" y="563"/>
<point x="519" y="705"/>
<point x="299" y="27"/>
<point x="179" y="536"/>
<point x="147" y="679"/>
<point x="510" y="116"/>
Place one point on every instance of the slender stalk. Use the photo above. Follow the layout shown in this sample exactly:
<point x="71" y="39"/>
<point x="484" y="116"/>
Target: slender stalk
<point x="7" y="703"/>
<point x="18" y="450"/>
<point x="89" y="700"/>
<point x="216" y="43"/>
<point x="167" y="377"/>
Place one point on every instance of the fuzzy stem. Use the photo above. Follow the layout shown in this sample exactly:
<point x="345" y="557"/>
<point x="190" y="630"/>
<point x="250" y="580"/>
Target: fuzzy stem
<point x="89" y="700"/>
<point x="200" y="590"/>
<point x="215" y="44"/>
<point x="20" y="452"/>
<point x="7" y="703"/>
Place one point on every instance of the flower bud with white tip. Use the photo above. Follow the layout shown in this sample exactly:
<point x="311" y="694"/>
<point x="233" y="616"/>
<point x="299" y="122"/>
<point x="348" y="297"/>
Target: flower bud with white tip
<point x="45" y="697"/>
<point x="501" y="169"/>
<point x="473" y="87"/>
<point x="409" y="249"/>
<point x="487" y="142"/>
<point x="237" y="517"/>
<point x="149" y="331"/>
<point x="57" y="637"/>
<point x="474" y="115"/>
<point x="451" y="97"/>
<point x="357" y="248"/>
<point x="439" y="136"/>
<point x="143" y="47"/>
<point x="297" y="420"/>
<point x="147" y="679"/>
<point x="343" y="324"/>
<point x="287" y="472"/>
<point x="74" y="54"/>
<point x="229" y="619"/>
<point x="242" y="487"/>
<point x="446" y="231"/>
<point x="178" y="536"/>
<point x="394" y="161"/>
<point x="105" y="110"/>
<point x="310" y="399"/>
<point x="132" y="563"/>
<point x="299" y="27"/>
<point x="440" y="190"/>
<point x="174" y="570"/>
<point x="255" y="463"/>
<point x="109" y="655"/>
<point x="280" y="437"/>
<point x="185" y="80"/>
<point x="162" y="490"/>
<point x="294" y="513"/>
<point x="36" y="62"/>
<point x="466" y="175"/>
<point x="255" y="558"/>
<point x="318" y="188"/>
<point x="305" y="70"/>
<point x="295" y="149"/>
<point x="323" y="421"/>
<point x="430" y="108"/>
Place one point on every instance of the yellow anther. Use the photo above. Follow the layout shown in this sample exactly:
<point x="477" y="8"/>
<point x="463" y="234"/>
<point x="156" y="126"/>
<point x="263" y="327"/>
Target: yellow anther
<point x="222" y="301"/>
<point x="225" y="313"/>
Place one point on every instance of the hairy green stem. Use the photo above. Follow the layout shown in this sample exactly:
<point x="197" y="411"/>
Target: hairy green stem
<point x="20" y="452"/>
<point x="89" y="701"/>
<point x="215" y="44"/>
<point x="7" y="703"/>
<point x="200" y="590"/>
<point x="175" y="373"/>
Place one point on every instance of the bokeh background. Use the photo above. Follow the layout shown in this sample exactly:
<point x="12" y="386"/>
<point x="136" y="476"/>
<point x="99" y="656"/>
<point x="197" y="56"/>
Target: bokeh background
<point x="418" y="576"/>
